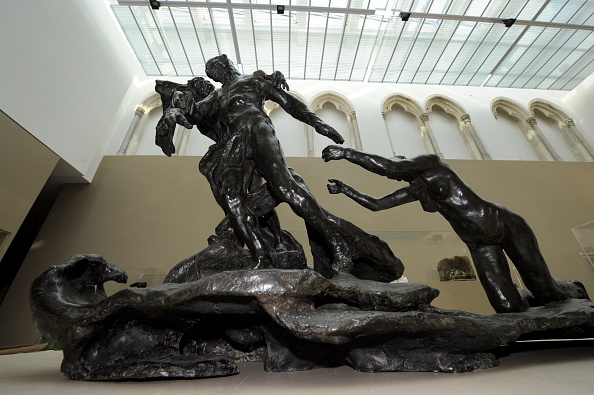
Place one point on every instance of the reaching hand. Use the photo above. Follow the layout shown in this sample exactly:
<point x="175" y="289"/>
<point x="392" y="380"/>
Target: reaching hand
<point x="333" y="152"/>
<point x="172" y="117"/>
<point x="330" y="132"/>
<point x="179" y="118"/>
<point x="279" y="80"/>
<point x="166" y="129"/>
<point x="336" y="187"/>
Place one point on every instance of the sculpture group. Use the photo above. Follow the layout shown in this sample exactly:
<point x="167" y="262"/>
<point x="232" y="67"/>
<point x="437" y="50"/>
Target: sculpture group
<point x="262" y="302"/>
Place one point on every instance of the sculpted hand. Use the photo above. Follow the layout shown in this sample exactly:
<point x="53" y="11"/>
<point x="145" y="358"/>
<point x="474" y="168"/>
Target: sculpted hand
<point x="279" y="80"/>
<point x="330" y="132"/>
<point x="172" y="117"/>
<point x="166" y="129"/>
<point x="336" y="187"/>
<point x="333" y="152"/>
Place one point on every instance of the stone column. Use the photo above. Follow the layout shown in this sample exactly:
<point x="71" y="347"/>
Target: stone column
<point x="355" y="136"/>
<point x="310" y="132"/>
<point x="131" y="130"/>
<point x="570" y="124"/>
<point x="183" y="140"/>
<point x="475" y="137"/>
<point x="388" y="132"/>
<point x="427" y="135"/>
<point x="542" y="139"/>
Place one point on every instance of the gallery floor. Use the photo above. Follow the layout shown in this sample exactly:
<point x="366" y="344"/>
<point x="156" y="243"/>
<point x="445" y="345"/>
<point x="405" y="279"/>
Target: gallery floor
<point x="543" y="368"/>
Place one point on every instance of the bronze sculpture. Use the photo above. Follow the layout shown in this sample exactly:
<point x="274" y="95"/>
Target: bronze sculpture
<point x="233" y="116"/>
<point x="214" y="309"/>
<point x="238" y="107"/>
<point x="487" y="228"/>
<point x="229" y="177"/>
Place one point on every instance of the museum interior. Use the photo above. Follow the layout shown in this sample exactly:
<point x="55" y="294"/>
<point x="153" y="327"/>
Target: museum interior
<point x="500" y="90"/>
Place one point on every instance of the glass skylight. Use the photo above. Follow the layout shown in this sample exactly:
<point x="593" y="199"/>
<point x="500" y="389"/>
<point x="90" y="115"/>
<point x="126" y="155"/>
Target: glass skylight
<point x="546" y="44"/>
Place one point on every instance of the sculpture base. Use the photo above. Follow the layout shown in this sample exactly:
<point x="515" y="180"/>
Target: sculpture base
<point x="289" y="319"/>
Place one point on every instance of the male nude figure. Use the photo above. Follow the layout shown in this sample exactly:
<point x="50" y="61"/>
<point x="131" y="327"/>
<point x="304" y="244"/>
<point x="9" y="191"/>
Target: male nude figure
<point x="238" y="107"/>
<point x="488" y="229"/>
<point x="178" y="101"/>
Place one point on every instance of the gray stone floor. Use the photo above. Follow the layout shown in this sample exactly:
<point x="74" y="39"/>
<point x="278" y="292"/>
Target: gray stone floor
<point x="543" y="368"/>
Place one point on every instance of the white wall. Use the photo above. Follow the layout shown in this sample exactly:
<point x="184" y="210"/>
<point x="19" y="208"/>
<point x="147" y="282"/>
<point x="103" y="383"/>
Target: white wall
<point x="64" y="72"/>
<point x="501" y="138"/>
<point x="579" y="101"/>
<point x="404" y="130"/>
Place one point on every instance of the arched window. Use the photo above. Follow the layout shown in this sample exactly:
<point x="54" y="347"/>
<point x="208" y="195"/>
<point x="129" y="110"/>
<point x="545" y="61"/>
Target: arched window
<point x="329" y="106"/>
<point x="151" y="103"/>
<point x="457" y="129"/>
<point x="526" y="124"/>
<point x="570" y="142"/>
<point x="140" y="139"/>
<point x="291" y="133"/>
<point x="405" y="125"/>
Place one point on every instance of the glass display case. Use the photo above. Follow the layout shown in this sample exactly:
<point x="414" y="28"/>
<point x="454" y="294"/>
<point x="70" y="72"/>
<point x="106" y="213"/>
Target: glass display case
<point x="585" y="237"/>
<point x="3" y="237"/>
<point x="430" y="255"/>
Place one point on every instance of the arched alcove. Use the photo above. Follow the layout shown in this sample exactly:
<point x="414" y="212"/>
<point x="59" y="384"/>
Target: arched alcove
<point x="342" y="104"/>
<point x="140" y="139"/>
<point x="465" y="131"/>
<point x="527" y="125"/>
<point x="150" y="103"/>
<point x="406" y="130"/>
<point x="568" y="132"/>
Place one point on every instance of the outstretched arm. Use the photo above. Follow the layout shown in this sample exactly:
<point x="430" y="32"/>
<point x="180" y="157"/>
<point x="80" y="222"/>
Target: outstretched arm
<point x="298" y="110"/>
<point x="398" y="197"/>
<point x="398" y="168"/>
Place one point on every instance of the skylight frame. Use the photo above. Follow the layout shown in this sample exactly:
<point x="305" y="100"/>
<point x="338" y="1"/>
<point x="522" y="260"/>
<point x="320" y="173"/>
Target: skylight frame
<point x="300" y="50"/>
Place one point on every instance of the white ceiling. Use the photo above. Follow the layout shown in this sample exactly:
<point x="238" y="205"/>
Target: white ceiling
<point x="449" y="42"/>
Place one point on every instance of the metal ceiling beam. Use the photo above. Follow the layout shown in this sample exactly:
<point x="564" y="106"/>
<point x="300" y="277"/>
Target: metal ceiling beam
<point x="473" y="52"/>
<point x="181" y="42"/>
<point x="547" y="61"/>
<point x="272" y="41"/>
<point x="411" y="49"/>
<point x="511" y="48"/>
<point x="346" y="19"/>
<point x="357" y="49"/>
<point x="290" y="44"/>
<point x="269" y="7"/>
<point x="324" y="47"/>
<point x="164" y="43"/>
<point x="197" y="38"/>
<point x="145" y="42"/>
<point x="385" y="20"/>
<point x="233" y="35"/>
<point x="254" y="38"/>
<point x="393" y="51"/>
<point x="468" y="18"/>
<point x="426" y="52"/>
<point x="306" y="46"/>
<point x="555" y="53"/>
